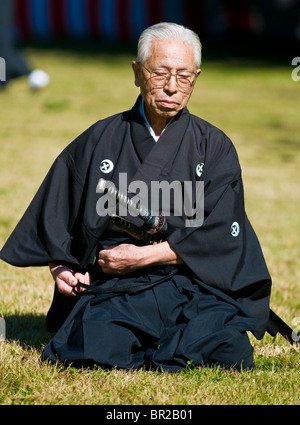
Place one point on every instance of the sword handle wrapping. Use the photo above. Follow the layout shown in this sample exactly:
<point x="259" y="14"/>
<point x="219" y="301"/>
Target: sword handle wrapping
<point x="155" y="224"/>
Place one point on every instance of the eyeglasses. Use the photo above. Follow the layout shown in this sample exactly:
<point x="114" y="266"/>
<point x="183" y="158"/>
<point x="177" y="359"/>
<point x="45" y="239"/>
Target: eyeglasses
<point x="160" y="76"/>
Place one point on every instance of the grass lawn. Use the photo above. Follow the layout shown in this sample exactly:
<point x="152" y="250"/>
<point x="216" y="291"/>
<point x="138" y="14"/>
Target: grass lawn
<point x="257" y="106"/>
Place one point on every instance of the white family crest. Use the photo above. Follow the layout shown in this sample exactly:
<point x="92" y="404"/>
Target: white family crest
<point x="235" y="229"/>
<point x="106" y="166"/>
<point x="199" y="169"/>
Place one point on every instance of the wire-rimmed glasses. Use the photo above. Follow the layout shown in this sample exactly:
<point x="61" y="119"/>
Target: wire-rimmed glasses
<point x="160" y="76"/>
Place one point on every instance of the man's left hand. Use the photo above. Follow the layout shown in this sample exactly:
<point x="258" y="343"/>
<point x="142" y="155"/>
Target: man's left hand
<point x="126" y="258"/>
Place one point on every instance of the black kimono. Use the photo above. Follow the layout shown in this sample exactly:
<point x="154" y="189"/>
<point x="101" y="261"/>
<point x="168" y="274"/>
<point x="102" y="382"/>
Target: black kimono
<point x="164" y="317"/>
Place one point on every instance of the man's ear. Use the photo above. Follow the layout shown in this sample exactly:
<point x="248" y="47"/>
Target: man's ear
<point x="136" y="69"/>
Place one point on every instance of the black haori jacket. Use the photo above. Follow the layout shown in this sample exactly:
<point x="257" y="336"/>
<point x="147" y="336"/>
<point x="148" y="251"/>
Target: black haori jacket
<point x="62" y="224"/>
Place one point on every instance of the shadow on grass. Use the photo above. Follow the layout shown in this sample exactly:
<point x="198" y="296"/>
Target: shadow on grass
<point x="28" y="329"/>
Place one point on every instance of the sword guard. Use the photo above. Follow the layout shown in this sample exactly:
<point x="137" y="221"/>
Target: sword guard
<point x="159" y="224"/>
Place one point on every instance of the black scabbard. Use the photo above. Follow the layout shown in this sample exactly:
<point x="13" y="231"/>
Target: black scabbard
<point x="277" y="325"/>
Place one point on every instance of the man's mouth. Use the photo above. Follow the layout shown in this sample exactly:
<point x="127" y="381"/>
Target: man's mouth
<point x="167" y="103"/>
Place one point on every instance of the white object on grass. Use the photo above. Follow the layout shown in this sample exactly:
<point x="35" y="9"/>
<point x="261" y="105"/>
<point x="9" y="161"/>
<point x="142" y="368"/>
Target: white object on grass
<point x="38" y="79"/>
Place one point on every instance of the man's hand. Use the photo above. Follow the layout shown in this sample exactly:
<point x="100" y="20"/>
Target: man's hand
<point x="125" y="258"/>
<point x="66" y="279"/>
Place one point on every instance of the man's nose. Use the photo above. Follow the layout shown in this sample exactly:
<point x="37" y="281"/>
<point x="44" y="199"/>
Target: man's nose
<point x="171" y="84"/>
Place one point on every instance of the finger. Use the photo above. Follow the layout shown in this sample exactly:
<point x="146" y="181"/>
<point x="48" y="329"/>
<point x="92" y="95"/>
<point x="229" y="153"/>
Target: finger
<point x="83" y="278"/>
<point x="68" y="277"/>
<point x="101" y="262"/>
<point x="87" y="278"/>
<point x="103" y="254"/>
<point x="65" y="288"/>
<point x="60" y="270"/>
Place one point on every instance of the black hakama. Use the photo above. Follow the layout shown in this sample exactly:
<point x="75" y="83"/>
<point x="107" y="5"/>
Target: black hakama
<point x="155" y="322"/>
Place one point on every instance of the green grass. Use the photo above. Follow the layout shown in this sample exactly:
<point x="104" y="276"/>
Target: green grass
<point x="257" y="105"/>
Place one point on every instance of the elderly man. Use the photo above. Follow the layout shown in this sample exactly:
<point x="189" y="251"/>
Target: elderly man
<point x="190" y="299"/>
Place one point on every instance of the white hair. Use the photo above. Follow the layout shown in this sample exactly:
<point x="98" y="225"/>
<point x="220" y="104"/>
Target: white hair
<point x="167" y="31"/>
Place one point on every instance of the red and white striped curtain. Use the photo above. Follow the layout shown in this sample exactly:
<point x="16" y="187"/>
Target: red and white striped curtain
<point x="125" y="19"/>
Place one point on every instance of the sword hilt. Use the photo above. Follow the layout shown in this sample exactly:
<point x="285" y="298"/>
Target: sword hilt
<point x="154" y="223"/>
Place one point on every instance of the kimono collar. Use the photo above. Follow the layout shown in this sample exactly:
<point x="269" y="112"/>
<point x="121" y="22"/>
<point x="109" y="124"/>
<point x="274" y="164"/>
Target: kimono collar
<point x="142" y="112"/>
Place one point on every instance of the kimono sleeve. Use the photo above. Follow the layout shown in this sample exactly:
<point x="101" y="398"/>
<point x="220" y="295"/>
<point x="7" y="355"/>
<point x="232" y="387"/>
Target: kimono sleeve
<point x="44" y="232"/>
<point x="224" y="252"/>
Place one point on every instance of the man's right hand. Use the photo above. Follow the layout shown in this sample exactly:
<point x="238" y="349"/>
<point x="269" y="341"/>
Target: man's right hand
<point x="65" y="278"/>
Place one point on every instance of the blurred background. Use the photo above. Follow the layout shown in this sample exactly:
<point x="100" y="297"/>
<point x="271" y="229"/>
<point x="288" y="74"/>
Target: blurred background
<point x="266" y="29"/>
<point x="256" y="26"/>
<point x="124" y="20"/>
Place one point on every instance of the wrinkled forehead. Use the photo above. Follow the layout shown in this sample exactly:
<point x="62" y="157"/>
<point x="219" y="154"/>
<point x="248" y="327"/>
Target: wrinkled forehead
<point x="171" y="54"/>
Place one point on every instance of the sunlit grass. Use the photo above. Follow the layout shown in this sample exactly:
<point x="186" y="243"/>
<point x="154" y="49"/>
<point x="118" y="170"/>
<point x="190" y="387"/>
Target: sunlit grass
<point x="258" y="108"/>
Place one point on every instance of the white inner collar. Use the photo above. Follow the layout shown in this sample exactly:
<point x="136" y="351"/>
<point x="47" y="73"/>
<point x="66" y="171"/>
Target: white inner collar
<point x="142" y="111"/>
